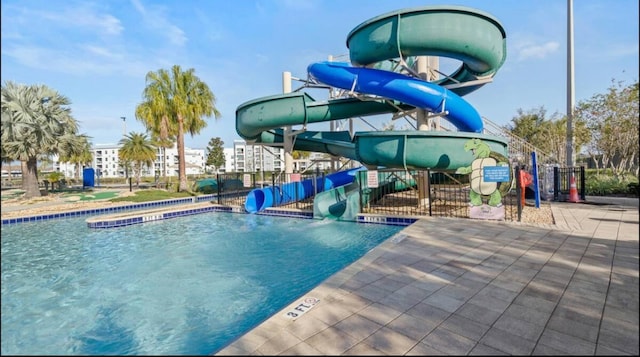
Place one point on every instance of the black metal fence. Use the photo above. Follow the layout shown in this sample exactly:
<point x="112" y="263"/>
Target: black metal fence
<point x="425" y="193"/>
<point x="396" y="192"/>
<point x="296" y="190"/>
<point x="232" y="188"/>
<point x="562" y="180"/>
<point x="286" y="190"/>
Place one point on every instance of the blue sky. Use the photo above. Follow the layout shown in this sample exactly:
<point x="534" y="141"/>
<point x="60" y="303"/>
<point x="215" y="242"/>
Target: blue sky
<point x="97" y="53"/>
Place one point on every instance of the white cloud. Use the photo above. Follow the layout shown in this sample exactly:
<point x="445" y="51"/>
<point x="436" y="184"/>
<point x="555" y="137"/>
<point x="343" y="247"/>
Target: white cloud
<point x="538" y="51"/>
<point x="102" y="52"/>
<point x="522" y="46"/>
<point x="84" y="17"/>
<point x="138" y="5"/>
<point x="155" y="18"/>
<point x="176" y="35"/>
<point x="90" y="60"/>
<point x="213" y="30"/>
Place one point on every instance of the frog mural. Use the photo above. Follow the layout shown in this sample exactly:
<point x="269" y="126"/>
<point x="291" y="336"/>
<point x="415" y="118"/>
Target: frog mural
<point x="482" y="189"/>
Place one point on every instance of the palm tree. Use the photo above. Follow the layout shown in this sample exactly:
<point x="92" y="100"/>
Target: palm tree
<point x="55" y="177"/>
<point x="6" y="160"/>
<point x="163" y="144"/>
<point x="76" y="150"/>
<point x="139" y="150"/>
<point x="34" y="120"/>
<point x="177" y="100"/>
<point x="299" y="154"/>
<point x="157" y="123"/>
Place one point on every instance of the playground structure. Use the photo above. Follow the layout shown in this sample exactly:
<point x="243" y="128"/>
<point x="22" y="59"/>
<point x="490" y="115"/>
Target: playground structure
<point x="387" y="74"/>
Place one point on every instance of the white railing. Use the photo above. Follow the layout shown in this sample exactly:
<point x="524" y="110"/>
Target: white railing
<point x="519" y="149"/>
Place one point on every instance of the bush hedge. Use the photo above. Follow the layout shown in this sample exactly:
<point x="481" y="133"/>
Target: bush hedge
<point x="604" y="183"/>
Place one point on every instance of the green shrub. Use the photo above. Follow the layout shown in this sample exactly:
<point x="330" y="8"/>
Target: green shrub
<point x="604" y="185"/>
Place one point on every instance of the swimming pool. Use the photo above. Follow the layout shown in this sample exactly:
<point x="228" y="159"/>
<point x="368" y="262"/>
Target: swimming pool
<point x="181" y="286"/>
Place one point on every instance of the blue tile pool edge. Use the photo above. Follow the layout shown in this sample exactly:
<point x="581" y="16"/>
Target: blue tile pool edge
<point x="142" y="216"/>
<point x="68" y="214"/>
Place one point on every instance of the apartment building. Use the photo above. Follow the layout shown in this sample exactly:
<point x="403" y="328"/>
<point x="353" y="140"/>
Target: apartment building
<point x="229" y="160"/>
<point x="254" y="158"/>
<point x="107" y="164"/>
<point x="242" y="157"/>
<point x="194" y="161"/>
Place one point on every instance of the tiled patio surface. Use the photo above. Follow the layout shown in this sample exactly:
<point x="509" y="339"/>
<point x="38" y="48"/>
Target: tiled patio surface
<point x="466" y="287"/>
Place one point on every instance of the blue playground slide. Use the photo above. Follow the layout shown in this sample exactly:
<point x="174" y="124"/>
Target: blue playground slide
<point x="260" y="199"/>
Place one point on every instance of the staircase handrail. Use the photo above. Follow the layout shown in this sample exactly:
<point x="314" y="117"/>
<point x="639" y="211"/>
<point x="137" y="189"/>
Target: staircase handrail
<point x="519" y="149"/>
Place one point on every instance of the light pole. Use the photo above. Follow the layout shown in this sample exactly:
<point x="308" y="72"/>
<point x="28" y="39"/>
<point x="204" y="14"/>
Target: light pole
<point x="124" y="126"/>
<point x="570" y="83"/>
<point x="124" y="134"/>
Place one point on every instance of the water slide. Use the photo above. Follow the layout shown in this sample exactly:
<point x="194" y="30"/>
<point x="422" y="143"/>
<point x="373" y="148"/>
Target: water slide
<point x="473" y="37"/>
<point x="343" y="202"/>
<point x="260" y="199"/>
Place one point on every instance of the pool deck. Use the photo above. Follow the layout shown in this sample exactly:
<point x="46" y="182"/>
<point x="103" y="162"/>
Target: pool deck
<point x="445" y="286"/>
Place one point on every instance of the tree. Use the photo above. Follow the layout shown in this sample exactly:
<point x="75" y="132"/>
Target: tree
<point x="529" y="126"/>
<point x="613" y="120"/>
<point x="183" y="99"/>
<point x="215" y="153"/>
<point x="77" y="151"/>
<point x="548" y="134"/>
<point x="554" y="136"/>
<point x="138" y="150"/>
<point x="6" y="160"/>
<point x="55" y="177"/>
<point x="299" y="154"/>
<point x="156" y="121"/>
<point x="36" y="123"/>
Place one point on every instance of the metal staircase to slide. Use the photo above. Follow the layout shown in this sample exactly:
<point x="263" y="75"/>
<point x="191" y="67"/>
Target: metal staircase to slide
<point x="519" y="149"/>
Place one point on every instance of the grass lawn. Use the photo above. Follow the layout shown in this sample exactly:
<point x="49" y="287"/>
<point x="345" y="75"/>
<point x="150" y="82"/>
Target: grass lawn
<point x="72" y="197"/>
<point x="152" y="195"/>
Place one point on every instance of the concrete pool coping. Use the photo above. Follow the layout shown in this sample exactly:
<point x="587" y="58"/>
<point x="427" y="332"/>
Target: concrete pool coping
<point x="120" y="219"/>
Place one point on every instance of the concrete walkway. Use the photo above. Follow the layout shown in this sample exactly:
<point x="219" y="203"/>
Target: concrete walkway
<point x="466" y="287"/>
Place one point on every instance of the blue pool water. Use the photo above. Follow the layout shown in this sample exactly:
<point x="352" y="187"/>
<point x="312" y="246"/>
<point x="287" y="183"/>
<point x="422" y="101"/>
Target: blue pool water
<point x="189" y="285"/>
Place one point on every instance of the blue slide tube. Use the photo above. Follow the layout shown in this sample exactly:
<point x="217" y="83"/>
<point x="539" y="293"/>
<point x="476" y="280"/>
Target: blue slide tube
<point x="261" y="198"/>
<point x="405" y="89"/>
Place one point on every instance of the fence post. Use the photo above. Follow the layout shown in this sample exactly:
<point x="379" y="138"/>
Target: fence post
<point x="361" y="193"/>
<point x="273" y="184"/>
<point x="556" y="183"/>
<point x="583" y="189"/>
<point x="519" y="193"/>
<point x="536" y="181"/>
<point x="430" y="198"/>
<point x="295" y="195"/>
<point x="218" y="188"/>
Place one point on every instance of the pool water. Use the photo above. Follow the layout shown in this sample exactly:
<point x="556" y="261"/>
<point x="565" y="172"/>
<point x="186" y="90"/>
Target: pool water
<point x="184" y="286"/>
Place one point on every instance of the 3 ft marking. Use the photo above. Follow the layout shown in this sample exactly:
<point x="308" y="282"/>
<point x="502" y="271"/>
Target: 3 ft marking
<point x="302" y="307"/>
